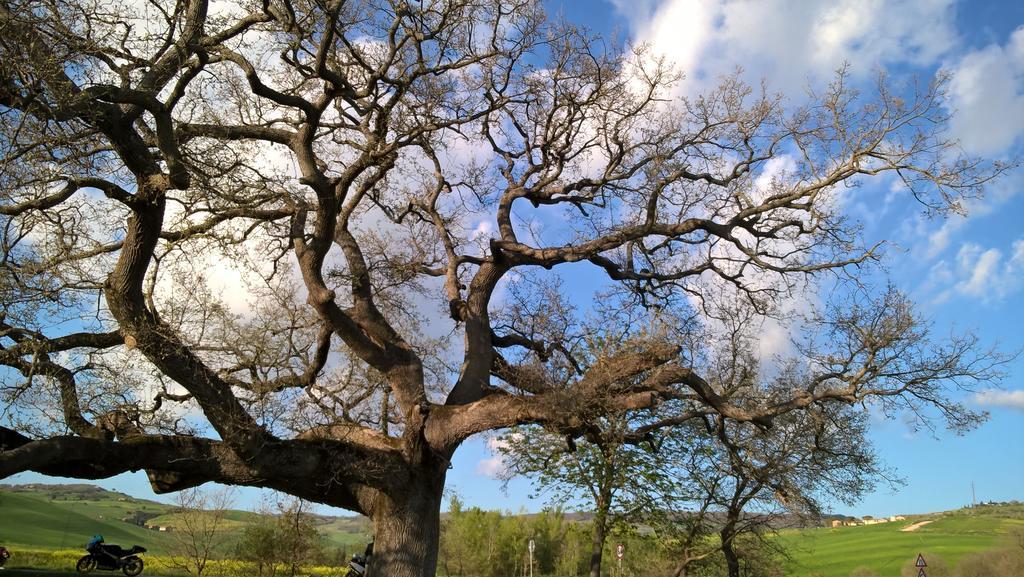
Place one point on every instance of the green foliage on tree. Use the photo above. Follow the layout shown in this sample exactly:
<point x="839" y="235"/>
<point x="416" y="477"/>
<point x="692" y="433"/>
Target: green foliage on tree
<point x="257" y="546"/>
<point x="288" y="539"/>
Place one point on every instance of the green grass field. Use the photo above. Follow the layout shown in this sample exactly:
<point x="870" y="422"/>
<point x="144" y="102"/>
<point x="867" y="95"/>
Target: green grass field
<point x="32" y="521"/>
<point x="39" y="519"/>
<point x="885" y="549"/>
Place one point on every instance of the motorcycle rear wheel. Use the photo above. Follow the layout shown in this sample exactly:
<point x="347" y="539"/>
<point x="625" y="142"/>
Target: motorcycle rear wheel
<point x="86" y="564"/>
<point x="133" y="566"/>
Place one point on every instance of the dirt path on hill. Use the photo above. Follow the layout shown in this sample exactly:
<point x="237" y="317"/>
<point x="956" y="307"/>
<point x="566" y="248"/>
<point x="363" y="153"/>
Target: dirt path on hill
<point x="916" y="526"/>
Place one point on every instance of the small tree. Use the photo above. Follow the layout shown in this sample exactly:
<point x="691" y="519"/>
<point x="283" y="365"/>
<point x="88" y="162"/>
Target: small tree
<point x="298" y="539"/>
<point x="198" y="533"/>
<point x="453" y="545"/>
<point x="284" y="533"/>
<point x="258" y="545"/>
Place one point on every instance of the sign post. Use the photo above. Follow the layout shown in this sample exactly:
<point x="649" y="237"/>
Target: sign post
<point x="620" y="552"/>
<point x="920" y="564"/>
<point x="531" y="547"/>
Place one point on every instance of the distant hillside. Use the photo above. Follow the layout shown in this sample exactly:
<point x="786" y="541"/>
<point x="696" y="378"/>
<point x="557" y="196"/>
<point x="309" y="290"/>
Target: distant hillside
<point x="33" y="520"/>
<point x="75" y="492"/>
<point x="39" y="516"/>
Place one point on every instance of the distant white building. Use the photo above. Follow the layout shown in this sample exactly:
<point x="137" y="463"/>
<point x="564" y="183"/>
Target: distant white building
<point x="868" y="520"/>
<point x="162" y="528"/>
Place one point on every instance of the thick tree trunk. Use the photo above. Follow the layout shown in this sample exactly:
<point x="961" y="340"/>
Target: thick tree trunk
<point x="406" y="531"/>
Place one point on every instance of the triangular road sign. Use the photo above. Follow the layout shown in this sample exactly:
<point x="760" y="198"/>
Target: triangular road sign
<point x="920" y="561"/>
<point x="920" y="572"/>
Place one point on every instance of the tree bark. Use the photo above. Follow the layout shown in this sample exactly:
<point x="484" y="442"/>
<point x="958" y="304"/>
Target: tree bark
<point x="600" y="532"/>
<point x="406" y="530"/>
<point x="597" y="545"/>
<point x="732" y="561"/>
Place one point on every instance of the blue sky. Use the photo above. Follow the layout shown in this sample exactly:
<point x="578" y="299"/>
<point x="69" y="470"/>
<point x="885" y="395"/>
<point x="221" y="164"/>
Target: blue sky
<point x="966" y="273"/>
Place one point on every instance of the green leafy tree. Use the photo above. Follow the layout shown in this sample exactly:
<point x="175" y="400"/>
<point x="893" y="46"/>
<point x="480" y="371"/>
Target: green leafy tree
<point x="258" y="545"/>
<point x="612" y="471"/>
<point x="618" y="482"/>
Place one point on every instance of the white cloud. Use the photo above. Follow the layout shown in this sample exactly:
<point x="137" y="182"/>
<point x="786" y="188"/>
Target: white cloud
<point x="777" y="169"/>
<point x="940" y="239"/>
<point x="981" y="266"/>
<point x="940" y="281"/>
<point x="792" y="48"/>
<point x="708" y="38"/>
<point x="636" y="12"/>
<point x="929" y="238"/>
<point x="493" y="467"/>
<point x="987" y="96"/>
<point x="998" y="398"/>
<point x="987" y="274"/>
<point x="680" y="30"/>
<point x="483" y="230"/>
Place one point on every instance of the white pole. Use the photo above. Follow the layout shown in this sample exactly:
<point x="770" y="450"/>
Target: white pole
<point x="531" y="546"/>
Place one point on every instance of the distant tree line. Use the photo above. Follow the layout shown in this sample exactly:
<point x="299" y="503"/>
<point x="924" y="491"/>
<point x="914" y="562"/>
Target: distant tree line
<point x="286" y="538"/>
<point x="479" y="543"/>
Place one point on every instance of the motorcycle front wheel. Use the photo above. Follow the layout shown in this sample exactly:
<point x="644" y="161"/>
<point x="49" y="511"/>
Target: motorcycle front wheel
<point x="132" y="567"/>
<point x="86" y="564"/>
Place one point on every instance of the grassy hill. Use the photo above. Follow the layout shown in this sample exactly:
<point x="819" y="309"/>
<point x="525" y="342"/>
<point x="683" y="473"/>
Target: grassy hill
<point x="66" y="516"/>
<point x="885" y="548"/>
<point x="31" y="520"/>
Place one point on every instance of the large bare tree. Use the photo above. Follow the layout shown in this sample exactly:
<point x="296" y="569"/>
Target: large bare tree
<point x="367" y="161"/>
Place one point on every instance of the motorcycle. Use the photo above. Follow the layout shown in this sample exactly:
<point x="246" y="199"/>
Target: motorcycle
<point x="357" y="566"/>
<point x="112" y="558"/>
